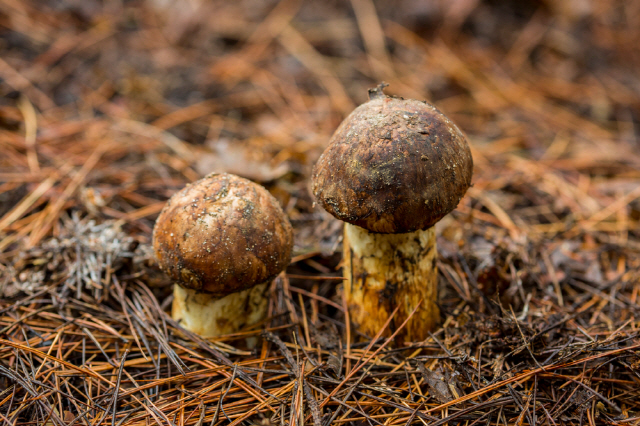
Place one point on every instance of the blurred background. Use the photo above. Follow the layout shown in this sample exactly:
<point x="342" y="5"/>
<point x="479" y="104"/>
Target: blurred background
<point x="112" y="105"/>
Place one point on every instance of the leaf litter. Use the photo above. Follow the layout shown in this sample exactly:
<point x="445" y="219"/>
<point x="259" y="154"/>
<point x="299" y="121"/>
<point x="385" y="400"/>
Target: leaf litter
<point x="109" y="108"/>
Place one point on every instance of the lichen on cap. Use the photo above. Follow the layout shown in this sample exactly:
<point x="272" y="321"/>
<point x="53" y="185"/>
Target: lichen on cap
<point x="393" y="166"/>
<point x="222" y="234"/>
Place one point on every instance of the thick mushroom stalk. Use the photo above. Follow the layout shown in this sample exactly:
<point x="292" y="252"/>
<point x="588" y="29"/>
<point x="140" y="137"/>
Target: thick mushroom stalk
<point x="385" y="271"/>
<point x="393" y="168"/>
<point x="211" y="316"/>
<point x="222" y="240"/>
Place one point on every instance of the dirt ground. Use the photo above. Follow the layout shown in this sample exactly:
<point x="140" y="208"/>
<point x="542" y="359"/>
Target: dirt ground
<point x="109" y="107"/>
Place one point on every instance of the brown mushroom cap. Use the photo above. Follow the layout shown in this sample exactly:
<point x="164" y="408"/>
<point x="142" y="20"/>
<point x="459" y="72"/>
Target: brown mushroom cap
<point x="393" y="166"/>
<point x="222" y="234"/>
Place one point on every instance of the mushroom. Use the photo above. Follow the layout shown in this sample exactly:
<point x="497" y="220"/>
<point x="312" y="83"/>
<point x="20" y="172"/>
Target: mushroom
<point x="393" y="168"/>
<point x="222" y="240"/>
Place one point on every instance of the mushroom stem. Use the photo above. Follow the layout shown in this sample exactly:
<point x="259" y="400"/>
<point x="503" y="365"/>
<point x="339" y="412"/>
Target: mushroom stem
<point x="211" y="316"/>
<point x="385" y="271"/>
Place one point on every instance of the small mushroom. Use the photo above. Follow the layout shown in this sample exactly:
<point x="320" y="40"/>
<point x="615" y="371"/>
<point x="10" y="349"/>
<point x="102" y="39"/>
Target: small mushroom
<point x="393" y="168"/>
<point x="222" y="240"/>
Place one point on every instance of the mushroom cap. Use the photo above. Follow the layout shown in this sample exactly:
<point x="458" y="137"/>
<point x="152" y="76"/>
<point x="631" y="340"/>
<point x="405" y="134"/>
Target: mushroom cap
<point x="393" y="166"/>
<point x="222" y="234"/>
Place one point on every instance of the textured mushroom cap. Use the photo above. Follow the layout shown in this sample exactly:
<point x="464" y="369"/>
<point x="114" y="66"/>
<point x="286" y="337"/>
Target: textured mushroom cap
<point x="393" y="166"/>
<point x="222" y="234"/>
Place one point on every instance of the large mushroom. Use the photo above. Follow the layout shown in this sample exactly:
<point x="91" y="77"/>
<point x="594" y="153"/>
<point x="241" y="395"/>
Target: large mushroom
<point x="393" y="168"/>
<point x="222" y="240"/>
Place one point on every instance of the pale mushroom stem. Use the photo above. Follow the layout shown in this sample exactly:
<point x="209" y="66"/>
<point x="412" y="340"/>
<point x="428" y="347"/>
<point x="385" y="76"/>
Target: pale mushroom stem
<point x="211" y="316"/>
<point x="385" y="271"/>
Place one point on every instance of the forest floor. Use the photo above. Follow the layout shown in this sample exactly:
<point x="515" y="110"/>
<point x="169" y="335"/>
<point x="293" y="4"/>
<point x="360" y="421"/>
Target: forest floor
<point x="107" y="108"/>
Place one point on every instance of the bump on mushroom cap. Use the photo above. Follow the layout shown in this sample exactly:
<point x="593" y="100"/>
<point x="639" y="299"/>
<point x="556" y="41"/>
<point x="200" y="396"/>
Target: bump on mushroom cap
<point x="222" y="234"/>
<point x="393" y="166"/>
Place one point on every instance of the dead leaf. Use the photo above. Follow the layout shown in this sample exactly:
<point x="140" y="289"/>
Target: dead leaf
<point x="228" y="157"/>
